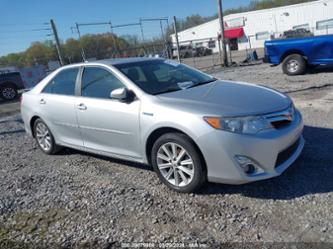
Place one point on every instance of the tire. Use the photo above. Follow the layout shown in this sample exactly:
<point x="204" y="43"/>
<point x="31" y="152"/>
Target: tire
<point x="294" y="64"/>
<point x="8" y="92"/>
<point x="185" y="178"/>
<point x="45" y="142"/>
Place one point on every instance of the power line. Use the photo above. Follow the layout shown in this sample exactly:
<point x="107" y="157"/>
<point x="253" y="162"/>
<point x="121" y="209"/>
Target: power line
<point x="26" y="30"/>
<point x="16" y="36"/>
<point x="20" y="24"/>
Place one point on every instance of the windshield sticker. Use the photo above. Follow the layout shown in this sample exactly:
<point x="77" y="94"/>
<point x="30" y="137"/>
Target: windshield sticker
<point x="172" y="63"/>
<point x="185" y="84"/>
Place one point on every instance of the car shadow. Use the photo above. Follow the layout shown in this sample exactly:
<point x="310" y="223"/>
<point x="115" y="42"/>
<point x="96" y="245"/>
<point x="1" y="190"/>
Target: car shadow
<point x="320" y="69"/>
<point x="69" y="151"/>
<point x="12" y="132"/>
<point x="312" y="173"/>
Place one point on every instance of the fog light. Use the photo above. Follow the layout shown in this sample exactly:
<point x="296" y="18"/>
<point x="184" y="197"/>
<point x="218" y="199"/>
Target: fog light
<point x="248" y="165"/>
<point x="248" y="168"/>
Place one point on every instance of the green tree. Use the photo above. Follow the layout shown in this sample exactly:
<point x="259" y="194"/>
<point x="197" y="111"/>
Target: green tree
<point x="72" y="51"/>
<point x="40" y="53"/>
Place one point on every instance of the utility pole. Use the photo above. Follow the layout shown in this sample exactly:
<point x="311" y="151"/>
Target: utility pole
<point x="161" y="26"/>
<point x="141" y="28"/>
<point x="114" y="40"/>
<point x="224" y="49"/>
<point x="83" y="54"/>
<point x="165" y="41"/>
<point x="176" y="36"/>
<point x="55" y="34"/>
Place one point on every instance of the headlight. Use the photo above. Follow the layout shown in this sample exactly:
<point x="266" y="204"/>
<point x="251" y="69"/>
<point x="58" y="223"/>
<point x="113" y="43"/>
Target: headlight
<point x="245" y="125"/>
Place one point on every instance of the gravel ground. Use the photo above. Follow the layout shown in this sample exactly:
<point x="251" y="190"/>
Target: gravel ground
<point x="85" y="201"/>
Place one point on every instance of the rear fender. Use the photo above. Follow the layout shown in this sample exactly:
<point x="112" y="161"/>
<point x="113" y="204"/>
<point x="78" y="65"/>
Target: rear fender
<point x="289" y="52"/>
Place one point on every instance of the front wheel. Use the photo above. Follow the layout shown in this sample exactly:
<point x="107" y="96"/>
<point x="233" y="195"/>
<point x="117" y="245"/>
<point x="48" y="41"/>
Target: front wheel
<point x="178" y="163"/>
<point x="294" y="64"/>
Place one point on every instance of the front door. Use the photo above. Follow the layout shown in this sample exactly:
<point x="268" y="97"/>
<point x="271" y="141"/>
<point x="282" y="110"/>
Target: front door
<point x="107" y="125"/>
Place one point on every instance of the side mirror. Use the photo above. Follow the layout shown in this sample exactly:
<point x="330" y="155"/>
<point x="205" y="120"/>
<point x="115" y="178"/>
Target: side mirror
<point x="122" y="94"/>
<point x="119" y="93"/>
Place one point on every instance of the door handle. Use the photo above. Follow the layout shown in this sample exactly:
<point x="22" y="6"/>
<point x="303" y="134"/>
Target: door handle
<point x="82" y="107"/>
<point x="42" y="102"/>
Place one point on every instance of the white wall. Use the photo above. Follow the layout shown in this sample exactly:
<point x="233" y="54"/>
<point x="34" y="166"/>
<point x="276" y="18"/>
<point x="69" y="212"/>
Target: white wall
<point x="274" y="21"/>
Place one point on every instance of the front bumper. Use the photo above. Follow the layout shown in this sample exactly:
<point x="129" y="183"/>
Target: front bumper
<point x="219" y="149"/>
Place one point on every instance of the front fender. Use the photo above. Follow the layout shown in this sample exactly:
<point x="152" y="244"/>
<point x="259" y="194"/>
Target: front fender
<point x="191" y="125"/>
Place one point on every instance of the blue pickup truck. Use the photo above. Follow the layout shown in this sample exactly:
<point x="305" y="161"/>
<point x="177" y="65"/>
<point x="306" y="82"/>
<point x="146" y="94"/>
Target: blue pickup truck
<point x="299" y="54"/>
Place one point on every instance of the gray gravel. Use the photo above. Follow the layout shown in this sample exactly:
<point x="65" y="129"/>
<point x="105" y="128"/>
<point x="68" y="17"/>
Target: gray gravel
<point x="74" y="198"/>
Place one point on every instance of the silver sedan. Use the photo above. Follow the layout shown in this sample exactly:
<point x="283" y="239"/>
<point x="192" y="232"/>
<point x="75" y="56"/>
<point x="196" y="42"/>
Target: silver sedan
<point x="189" y="126"/>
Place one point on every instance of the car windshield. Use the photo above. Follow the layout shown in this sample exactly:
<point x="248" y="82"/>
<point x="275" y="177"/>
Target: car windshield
<point x="161" y="76"/>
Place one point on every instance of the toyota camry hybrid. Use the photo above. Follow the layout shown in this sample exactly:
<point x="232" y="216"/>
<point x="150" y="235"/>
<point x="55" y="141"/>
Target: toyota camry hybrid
<point x="191" y="127"/>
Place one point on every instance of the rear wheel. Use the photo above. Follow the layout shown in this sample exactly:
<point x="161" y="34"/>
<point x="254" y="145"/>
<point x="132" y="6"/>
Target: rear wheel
<point x="8" y="92"/>
<point x="44" y="138"/>
<point x="294" y="64"/>
<point x="178" y="163"/>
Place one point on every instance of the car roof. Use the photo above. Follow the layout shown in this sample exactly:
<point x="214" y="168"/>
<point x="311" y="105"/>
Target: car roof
<point x="111" y="62"/>
<point x="114" y="62"/>
<point x="118" y="61"/>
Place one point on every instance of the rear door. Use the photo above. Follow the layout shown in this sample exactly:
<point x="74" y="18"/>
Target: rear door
<point x="107" y="125"/>
<point x="57" y="107"/>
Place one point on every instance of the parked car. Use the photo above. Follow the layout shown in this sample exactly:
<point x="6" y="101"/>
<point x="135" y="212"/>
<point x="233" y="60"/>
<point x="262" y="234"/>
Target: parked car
<point x="201" y="51"/>
<point x="298" y="54"/>
<point x="10" y="83"/>
<point x="188" y="125"/>
<point x="189" y="51"/>
<point x="185" y="51"/>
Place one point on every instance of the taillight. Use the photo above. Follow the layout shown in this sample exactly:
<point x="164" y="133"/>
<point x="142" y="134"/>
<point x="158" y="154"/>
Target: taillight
<point x="21" y="99"/>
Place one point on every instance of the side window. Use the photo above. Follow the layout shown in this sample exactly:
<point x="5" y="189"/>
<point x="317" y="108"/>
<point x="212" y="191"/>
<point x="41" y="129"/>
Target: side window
<point x="211" y="44"/>
<point x="63" y="83"/>
<point x="325" y="24"/>
<point x="262" y="35"/>
<point x="98" y="83"/>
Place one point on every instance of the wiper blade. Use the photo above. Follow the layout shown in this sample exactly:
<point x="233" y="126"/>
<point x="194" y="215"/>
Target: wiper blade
<point x="168" y="91"/>
<point x="190" y="86"/>
<point x="204" y="82"/>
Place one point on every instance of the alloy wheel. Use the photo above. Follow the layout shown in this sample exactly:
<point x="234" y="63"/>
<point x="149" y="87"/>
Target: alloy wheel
<point x="8" y="93"/>
<point x="175" y="164"/>
<point x="43" y="137"/>
<point x="292" y="66"/>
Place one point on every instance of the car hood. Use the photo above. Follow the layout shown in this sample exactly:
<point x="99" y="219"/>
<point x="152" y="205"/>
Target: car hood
<point x="227" y="98"/>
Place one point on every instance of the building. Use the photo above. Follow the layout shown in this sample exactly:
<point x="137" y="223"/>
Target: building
<point x="251" y="29"/>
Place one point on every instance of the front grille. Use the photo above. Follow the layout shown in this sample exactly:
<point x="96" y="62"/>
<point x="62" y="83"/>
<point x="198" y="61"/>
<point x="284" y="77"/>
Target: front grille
<point x="287" y="153"/>
<point x="281" y="119"/>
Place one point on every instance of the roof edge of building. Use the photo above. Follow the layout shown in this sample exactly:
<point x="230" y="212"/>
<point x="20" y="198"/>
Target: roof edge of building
<point x="253" y="12"/>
